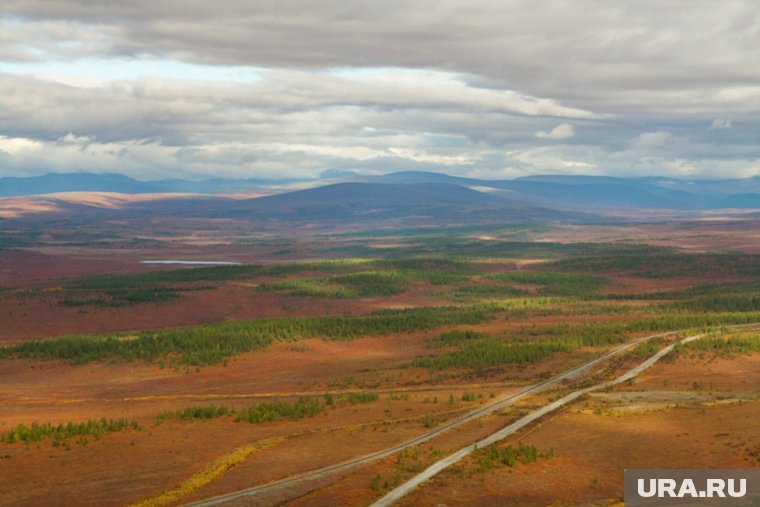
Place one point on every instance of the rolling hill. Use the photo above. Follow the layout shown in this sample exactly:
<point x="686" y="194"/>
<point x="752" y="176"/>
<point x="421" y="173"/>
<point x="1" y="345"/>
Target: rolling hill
<point x="403" y="197"/>
<point x="368" y="202"/>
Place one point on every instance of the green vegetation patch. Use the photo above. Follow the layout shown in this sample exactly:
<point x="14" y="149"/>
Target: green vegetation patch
<point x="258" y="413"/>
<point x="354" y="285"/>
<point x="361" y="397"/>
<point x="484" y="353"/>
<point x="95" y="428"/>
<point x="465" y="246"/>
<point x="480" y="292"/>
<point x="349" y="278"/>
<point x="309" y="288"/>
<point x="125" y="296"/>
<point x="195" y="412"/>
<point x="526" y="454"/>
<point x="371" y="282"/>
<point x="555" y="283"/>
<point x="728" y="346"/>
<point x="278" y="409"/>
<point x="271" y="411"/>
<point x="666" y="264"/>
<point x="690" y="320"/>
<point x="374" y="278"/>
<point x="649" y="347"/>
<point x="436" y="271"/>
<point x="215" y="343"/>
<point x="139" y="288"/>
<point x="201" y="274"/>
<point x="412" y="262"/>
<point x="529" y="345"/>
<point x="731" y="297"/>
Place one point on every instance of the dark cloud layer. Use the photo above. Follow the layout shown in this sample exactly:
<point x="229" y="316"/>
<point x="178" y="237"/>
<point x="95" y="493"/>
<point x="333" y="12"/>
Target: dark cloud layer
<point x="484" y="88"/>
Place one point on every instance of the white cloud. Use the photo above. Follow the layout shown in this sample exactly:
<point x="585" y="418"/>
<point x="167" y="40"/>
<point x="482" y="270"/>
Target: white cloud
<point x="652" y="139"/>
<point x="178" y="88"/>
<point x="561" y="131"/>
<point x="72" y="139"/>
<point x="720" y="124"/>
<point x="18" y="145"/>
<point x="614" y="56"/>
<point x="423" y="156"/>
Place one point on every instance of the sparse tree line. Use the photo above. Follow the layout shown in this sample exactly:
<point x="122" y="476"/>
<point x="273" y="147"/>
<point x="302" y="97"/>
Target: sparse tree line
<point x="531" y="344"/>
<point x="215" y="343"/>
<point x="734" y="345"/>
<point x="474" y="350"/>
<point x="95" y="428"/>
<point x="350" y="279"/>
<point x="307" y="406"/>
<point x="665" y="263"/>
<point x="526" y="454"/>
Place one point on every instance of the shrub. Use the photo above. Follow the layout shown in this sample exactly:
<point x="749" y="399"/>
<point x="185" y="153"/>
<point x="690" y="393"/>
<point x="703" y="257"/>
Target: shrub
<point x="95" y="428"/>
<point x="278" y="409"/>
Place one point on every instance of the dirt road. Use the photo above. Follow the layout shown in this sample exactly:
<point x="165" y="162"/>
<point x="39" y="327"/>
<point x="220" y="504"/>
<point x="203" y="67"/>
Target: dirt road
<point x="439" y="466"/>
<point x="488" y="408"/>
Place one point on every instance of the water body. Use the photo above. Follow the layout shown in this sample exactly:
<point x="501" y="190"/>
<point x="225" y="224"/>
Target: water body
<point x="192" y="263"/>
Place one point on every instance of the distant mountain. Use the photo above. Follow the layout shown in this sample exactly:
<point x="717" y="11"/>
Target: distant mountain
<point x="87" y="182"/>
<point x="565" y="192"/>
<point x="342" y="199"/>
<point x="379" y="195"/>
<point x="424" y="177"/>
<point x="363" y="202"/>
<point x="606" y="193"/>
<point x="741" y="201"/>
<point x="75" y="182"/>
<point x="594" y="192"/>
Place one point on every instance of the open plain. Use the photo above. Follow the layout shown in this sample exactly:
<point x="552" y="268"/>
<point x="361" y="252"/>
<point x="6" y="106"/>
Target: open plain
<point x="127" y="383"/>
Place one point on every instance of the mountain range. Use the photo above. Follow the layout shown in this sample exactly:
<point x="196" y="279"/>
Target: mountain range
<point x="541" y="190"/>
<point x="409" y="196"/>
<point x="88" y="182"/>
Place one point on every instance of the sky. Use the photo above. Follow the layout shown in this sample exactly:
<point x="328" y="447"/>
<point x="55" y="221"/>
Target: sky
<point x="294" y="89"/>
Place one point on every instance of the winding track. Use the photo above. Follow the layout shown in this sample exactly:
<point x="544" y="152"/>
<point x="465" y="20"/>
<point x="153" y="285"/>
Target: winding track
<point x="488" y="408"/>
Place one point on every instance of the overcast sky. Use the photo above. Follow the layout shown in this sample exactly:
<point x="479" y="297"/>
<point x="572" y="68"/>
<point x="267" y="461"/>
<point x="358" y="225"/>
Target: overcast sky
<point x="494" y="89"/>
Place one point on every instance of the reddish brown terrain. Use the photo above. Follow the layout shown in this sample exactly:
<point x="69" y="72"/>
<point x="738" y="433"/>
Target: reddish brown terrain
<point x="660" y="420"/>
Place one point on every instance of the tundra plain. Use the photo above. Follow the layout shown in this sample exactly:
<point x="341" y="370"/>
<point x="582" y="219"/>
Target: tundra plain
<point x="139" y="384"/>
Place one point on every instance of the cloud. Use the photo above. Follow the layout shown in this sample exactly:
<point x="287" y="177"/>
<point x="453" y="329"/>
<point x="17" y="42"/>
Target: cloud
<point x="17" y="145"/>
<point x="618" y="56"/>
<point x="193" y="88"/>
<point x="720" y="124"/>
<point x="652" y="139"/>
<point x="561" y="131"/>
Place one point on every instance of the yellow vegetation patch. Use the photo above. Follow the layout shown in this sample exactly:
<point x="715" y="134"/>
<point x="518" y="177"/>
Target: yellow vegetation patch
<point x="213" y="471"/>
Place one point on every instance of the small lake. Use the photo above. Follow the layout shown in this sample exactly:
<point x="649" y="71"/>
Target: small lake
<point x="192" y="263"/>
